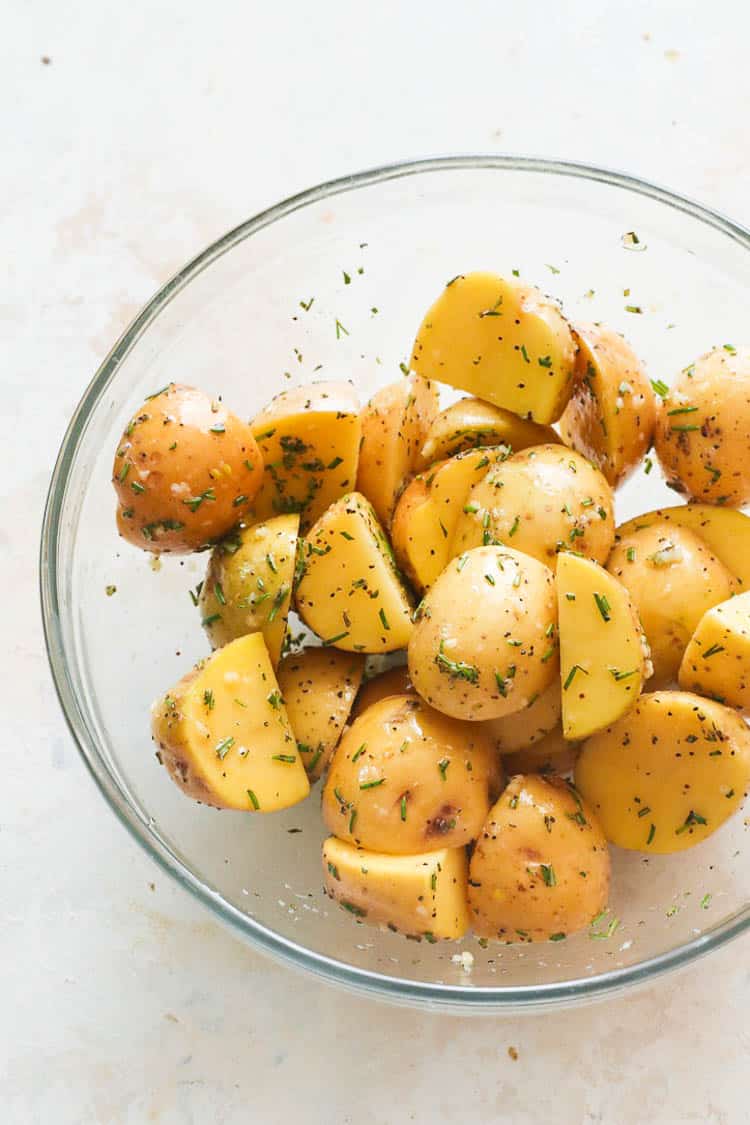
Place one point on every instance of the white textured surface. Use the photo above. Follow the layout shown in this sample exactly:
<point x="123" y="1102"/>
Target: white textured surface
<point x="154" y="128"/>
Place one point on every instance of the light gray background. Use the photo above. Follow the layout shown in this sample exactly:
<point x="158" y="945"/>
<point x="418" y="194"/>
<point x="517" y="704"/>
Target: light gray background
<point x="153" y="129"/>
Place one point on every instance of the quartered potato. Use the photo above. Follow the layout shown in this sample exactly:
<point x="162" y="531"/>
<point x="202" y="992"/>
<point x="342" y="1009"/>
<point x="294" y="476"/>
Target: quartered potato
<point x="248" y="584"/>
<point x="717" y="659"/>
<point x="611" y="416"/>
<point x="349" y="591"/>
<point x="405" y="779"/>
<point x="418" y="895"/>
<point x="524" y="728"/>
<point x="471" y="423"/>
<point x="540" y="870"/>
<point x="673" y="578"/>
<point x="309" y="437"/>
<point x="541" y="501"/>
<point x="702" y="428"/>
<point x="395" y="681"/>
<point x="502" y="341"/>
<point x="319" y="686"/>
<point x="668" y="774"/>
<point x="429" y="509"/>
<point x="185" y="472"/>
<point x="604" y="655"/>
<point x="224" y="735"/>
<point x="395" y="423"/>
<point x="485" y="640"/>
<point x="552" y="754"/>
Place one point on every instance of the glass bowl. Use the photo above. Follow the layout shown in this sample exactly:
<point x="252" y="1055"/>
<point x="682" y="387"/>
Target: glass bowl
<point x="266" y="307"/>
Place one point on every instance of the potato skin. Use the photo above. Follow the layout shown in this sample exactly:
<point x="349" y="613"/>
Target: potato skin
<point x="668" y="774"/>
<point x="185" y="472"/>
<point x="485" y="639"/>
<point x="526" y="876"/>
<point x="552" y="754"/>
<point x="703" y="449"/>
<point x="395" y="681"/>
<point x="405" y="779"/>
<point x="673" y="579"/>
<point x="471" y="423"/>
<point x="524" y="728"/>
<point x="725" y="531"/>
<point x="611" y="416"/>
<point x="541" y="501"/>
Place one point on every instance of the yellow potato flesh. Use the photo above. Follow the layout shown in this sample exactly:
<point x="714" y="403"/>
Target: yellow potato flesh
<point x="725" y="531"/>
<point x="419" y="895"/>
<point x="668" y="774"/>
<point x="471" y="423"/>
<point x="602" y="648"/>
<point x="350" y="593"/>
<point x="309" y="438"/>
<point x="717" y="659"/>
<point x="224" y="735"/>
<point x="501" y="341"/>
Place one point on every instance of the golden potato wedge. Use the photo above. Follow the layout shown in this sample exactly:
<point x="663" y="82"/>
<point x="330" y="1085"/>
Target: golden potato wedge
<point x="502" y="341"/>
<point x="185" y="472"/>
<point x="319" y="686"/>
<point x="611" y="416"/>
<point x="395" y="681"/>
<point x="540" y="870"/>
<point x="248" y="584"/>
<point x="224" y="736"/>
<point x="604" y="655"/>
<point x="552" y="754"/>
<point x="716" y="662"/>
<point x="419" y="895"/>
<point x="394" y="425"/>
<point x="668" y="774"/>
<point x="350" y="592"/>
<point x="522" y="729"/>
<point x="309" y="437"/>
<point x="471" y="423"/>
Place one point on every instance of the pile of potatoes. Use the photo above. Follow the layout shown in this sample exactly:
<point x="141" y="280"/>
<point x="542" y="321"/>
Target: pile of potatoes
<point x="480" y="543"/>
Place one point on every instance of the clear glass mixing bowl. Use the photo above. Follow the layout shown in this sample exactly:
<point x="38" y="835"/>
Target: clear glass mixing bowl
<point x="232" y="322"/>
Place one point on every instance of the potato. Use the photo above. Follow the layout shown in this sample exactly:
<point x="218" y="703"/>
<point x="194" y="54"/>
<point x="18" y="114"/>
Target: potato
<point x="309" y="437"/>
<point x="428" y="511"/>
<point x="541" y="501"/>
<point x="319" y="686"/>
<point x="611" y="416"/>
<point x="405" y="779"/>
<point x="523" y="728"/>
<point x="471" y="423"/>
<point x="724" y="531"/>
<point x="500" y="340"/>
<point x="702" y="427"/>
<point x="394" y="425"/>
<point x="350" y="592"/>
<point x="604" y="656"/>
<point x="418" y="895"/>
<point x="185" y="472"/>
<point x="553" y="754"/>
<point x="395" y="681"/>
<point x="668" y="774"/>
<point x="224" y="736"/>
<point x="717" y="659"/>
<point x="541" y="867"/>
<point x="673" y="579"/>
<point x="248" y="584"/>
<point x="485" y="642"/>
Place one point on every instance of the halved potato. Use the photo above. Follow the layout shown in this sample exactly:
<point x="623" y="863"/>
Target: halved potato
<point x="500" y="340"/>
<point x="725" y="532"/>
<point x="553" y="754"/>
<point x="522" y="729"/>
<point x="604" y="656"/>
<point x="224" y="735"/>
<point x="428" y="511"/>
<point x="309" y="437"/>
<point x="471" y="423"/>
<point x="394" y="425"/>
<point x="419" y="895"/>
<point x="319" y="686"/>
<point x="248" y="584"/>
<point x="350" y="592"/>
<point x="395" y="681"/>
<point x="717" y="659"/>
<point x="668" y="774"/>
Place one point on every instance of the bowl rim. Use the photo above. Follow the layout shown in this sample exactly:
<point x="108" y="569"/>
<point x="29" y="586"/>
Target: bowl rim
<point x="458" y="998"/>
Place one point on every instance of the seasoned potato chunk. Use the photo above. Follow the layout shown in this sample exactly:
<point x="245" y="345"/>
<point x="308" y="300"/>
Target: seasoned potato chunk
<point x="668" y="774"/>
<point x="395" y="681"/>
<point x="502" y="341"/>
<point x="224" y="736"/>
<point x="471" y="423"/>
<point x="419" y="895"/>
<point x="553" y="754"/>
<point x="523" y="728"/>
<point x="350" y="592"/>
<point x="717" y="659"/>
